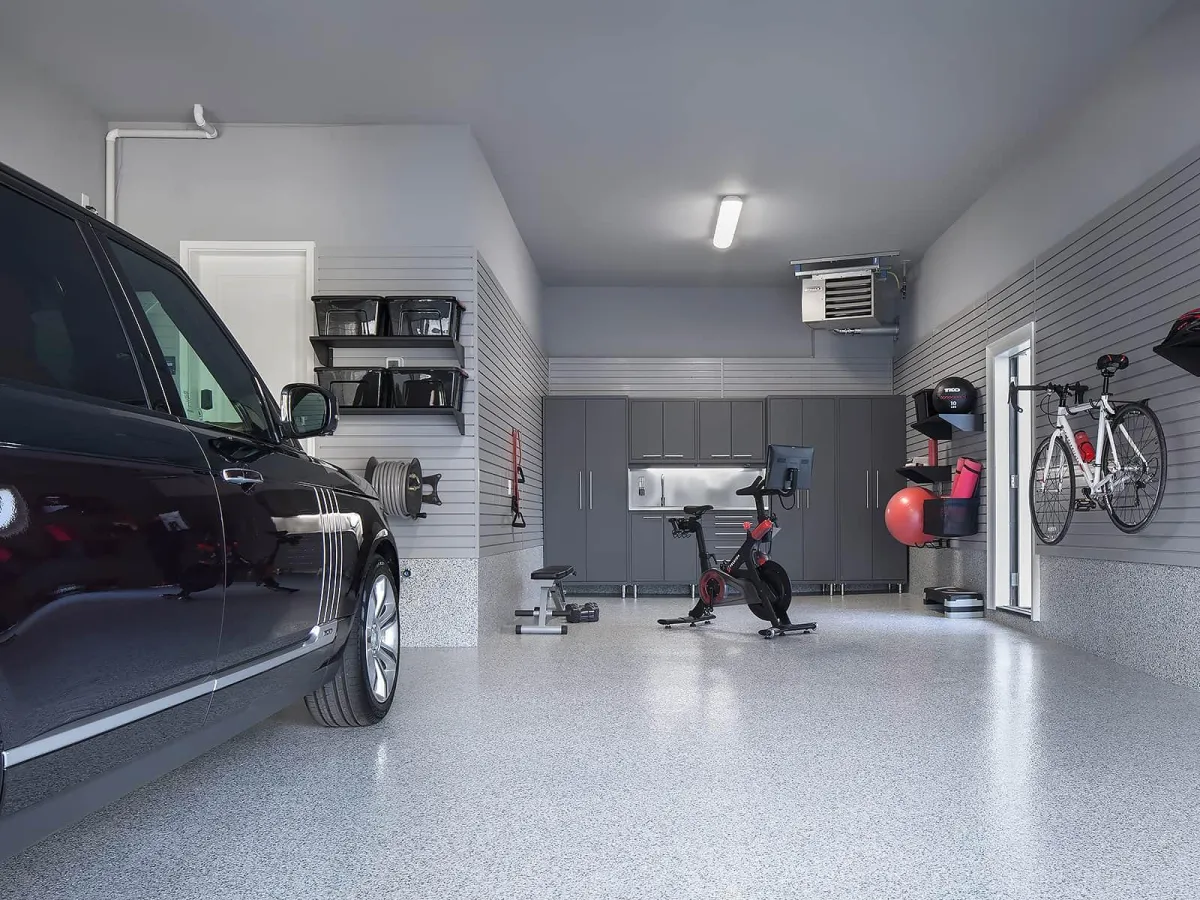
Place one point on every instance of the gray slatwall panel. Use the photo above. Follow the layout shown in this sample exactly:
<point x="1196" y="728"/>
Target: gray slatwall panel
<point x="1114" y="286"/>
<point x="450" y="531"/>
<point x="719" y="377"/>
<point x="513" y="378"/>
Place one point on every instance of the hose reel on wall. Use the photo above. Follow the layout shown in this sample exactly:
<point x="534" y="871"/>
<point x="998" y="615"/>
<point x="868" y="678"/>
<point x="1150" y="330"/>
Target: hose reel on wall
<point x="401" y="487"/>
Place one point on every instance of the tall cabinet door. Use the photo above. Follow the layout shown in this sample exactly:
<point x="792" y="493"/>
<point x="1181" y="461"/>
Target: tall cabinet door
<point x="820" y="418"/>
<point x="856" y="490"/>
<point x="785" y="417"/>
<point x="606" y="490"/>
<point x="889" y="561"/>
<point x="564" y="472"/>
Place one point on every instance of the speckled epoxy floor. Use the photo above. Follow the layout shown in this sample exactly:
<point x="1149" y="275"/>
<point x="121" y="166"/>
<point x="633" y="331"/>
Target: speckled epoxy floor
<point x="894" y="754"/>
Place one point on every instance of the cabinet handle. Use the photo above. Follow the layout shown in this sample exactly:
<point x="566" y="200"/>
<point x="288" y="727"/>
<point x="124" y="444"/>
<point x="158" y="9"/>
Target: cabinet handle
<point x="651" y="518"/>
<point x="743" y="456"/>
<point x="673" y="455"/>
<point x="877" y="489"/>
<point x="589" y="488"/>
<point x="581" y="489"/>
<point x="868" y="473"/>
<point x="807" y="494"/>
<point x="651" y="456"/>
<point x="718" y="456"/>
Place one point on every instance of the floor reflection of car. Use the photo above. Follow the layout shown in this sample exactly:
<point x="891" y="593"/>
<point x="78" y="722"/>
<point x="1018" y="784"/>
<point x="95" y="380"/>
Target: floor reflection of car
<point x="173" y="567"/>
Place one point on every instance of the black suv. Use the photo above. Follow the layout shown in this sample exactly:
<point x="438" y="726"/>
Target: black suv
<point x="173" y="567"/>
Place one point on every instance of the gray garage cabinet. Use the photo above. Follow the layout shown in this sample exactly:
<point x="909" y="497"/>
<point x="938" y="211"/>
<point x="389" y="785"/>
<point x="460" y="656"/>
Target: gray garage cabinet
<point x="835" y="533"/>
<point x="585" y="446"/>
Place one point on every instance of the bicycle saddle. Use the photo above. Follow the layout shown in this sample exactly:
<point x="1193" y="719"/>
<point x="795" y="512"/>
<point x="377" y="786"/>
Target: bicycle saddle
<point x="696" y="511"/>
<point x="1111" y="363"/>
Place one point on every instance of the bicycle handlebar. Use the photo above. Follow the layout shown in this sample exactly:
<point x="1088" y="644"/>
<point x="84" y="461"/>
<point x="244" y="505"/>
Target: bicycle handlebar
<point x="1078" y="388"/>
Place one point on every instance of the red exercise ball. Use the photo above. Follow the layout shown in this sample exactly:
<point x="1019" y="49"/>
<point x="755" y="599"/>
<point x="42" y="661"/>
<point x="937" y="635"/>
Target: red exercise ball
<point x="905" y="515"/>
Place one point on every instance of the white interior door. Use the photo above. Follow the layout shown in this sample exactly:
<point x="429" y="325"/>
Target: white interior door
<point x="262" y="292"/>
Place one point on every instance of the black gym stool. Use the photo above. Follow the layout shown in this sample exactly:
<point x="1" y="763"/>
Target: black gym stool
<point x="553" y="594"/>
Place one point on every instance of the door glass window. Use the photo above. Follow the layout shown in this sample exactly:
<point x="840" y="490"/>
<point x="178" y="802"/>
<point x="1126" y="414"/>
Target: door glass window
<point x="60" y="328"/>
<point x="215" y="384"/>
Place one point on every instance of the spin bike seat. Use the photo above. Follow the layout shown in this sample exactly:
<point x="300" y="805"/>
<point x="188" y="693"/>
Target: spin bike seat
<point x="697" y="511"/>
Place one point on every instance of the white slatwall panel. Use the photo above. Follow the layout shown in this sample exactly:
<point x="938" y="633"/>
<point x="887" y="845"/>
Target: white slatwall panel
<point x="513" y="377"/>
<point x="1114" y="286"/>
<point x="715" y="377"/>
<point x="451" y="530"/>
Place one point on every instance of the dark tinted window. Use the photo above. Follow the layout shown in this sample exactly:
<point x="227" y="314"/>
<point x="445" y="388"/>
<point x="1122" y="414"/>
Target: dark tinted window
<point x="215" y="384"/>
<point x="58" y="327"/>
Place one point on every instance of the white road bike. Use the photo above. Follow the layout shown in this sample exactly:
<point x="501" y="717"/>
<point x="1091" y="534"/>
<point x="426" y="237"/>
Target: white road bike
<point x="1128" y="474"/>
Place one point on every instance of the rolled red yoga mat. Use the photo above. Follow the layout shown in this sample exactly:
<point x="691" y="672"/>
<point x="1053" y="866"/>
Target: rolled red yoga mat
<point x="966" y="478"/>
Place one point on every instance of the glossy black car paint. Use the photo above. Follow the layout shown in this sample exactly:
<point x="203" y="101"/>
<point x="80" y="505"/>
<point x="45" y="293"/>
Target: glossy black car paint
<point x="131" y="569"/>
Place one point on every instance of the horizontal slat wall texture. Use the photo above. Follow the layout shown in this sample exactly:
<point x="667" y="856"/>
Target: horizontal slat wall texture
<point x="513" y="377"/>
<point x="450" y="531"/>
<point x="1114" y="286"/>
<point x="715" y="377"/>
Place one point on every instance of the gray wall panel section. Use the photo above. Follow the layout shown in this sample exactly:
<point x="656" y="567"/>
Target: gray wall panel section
<point x="513" y="378"/>
<point x="719" y="377"/>
<point x="451" y="530"/>
<point x="1116" y="285"/>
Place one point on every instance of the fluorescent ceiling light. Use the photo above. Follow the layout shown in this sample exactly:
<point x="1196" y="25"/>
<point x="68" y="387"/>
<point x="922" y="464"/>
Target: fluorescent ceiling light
<point x="727" y="221"/>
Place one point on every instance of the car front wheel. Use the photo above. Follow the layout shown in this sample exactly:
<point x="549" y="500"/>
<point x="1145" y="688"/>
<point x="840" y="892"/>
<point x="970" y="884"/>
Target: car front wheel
<point x="362" y="691"/>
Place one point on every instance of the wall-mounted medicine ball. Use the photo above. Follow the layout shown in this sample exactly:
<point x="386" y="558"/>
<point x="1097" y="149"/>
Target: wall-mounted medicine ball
<point x="954" y="396"/>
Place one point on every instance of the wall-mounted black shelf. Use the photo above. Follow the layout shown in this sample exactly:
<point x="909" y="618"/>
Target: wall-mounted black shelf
<point x="458" y="417"/>
<point x="324" y="344"/>
<point x="926" y="474"/>
<point x="1182" y="353"/>
<point x="942" y="428"/>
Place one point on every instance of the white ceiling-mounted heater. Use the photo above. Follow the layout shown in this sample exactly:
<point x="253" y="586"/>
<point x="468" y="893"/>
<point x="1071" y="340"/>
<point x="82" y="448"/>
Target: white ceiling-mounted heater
<point x="847" y="292"/>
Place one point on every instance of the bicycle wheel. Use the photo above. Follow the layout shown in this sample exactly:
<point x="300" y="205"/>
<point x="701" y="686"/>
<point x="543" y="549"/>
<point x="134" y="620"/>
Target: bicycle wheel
<point x="1137" y="459"/>
<point x="1052" y="489"/>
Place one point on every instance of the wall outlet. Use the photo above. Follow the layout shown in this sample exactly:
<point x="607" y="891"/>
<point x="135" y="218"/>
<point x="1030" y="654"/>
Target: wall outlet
<point x="508" y="486"/>
<point x="394" y="362"/>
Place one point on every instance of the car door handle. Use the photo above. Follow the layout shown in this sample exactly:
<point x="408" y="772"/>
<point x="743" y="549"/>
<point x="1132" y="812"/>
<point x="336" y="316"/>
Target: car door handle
<point x="247" y="478"/>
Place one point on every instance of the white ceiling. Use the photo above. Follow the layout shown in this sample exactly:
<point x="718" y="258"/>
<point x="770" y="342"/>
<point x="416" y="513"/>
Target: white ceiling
<point x="612" y="125"/>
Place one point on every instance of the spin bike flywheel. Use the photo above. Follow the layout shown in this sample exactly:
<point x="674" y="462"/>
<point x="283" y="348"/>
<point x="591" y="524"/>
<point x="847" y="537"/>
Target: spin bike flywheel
<point x="718" y="588"/>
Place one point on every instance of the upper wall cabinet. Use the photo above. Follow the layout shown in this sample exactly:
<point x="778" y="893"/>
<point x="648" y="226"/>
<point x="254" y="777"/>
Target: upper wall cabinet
<point x="732" y="431"/>
<point x="662" y="431"/>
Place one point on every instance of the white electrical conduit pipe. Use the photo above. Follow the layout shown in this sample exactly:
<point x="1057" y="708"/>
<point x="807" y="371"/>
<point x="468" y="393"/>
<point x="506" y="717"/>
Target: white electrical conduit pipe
<point x="881" y="330"/>
<point x="202" y="131"/>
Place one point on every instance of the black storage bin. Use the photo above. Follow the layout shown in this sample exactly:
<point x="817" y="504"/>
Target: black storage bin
<point x="424" y="317"/>
<point x="348" y="316"/>
<point x="358" y="388"/>
<point x="948" y="517"/>
<point x="923" y="404"/>
<point x="426" y="388"/>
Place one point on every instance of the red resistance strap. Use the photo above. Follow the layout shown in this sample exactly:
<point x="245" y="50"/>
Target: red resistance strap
<point x="759" y="531"/>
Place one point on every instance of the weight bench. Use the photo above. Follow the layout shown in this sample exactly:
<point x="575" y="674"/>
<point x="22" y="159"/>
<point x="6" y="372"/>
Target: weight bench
<point x="553" y="595"/>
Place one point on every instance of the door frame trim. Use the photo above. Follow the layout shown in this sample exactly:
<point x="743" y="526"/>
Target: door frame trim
<point x="190" y="253"/>
<point x="319" y="636"/>
<point x="997" y="512"/>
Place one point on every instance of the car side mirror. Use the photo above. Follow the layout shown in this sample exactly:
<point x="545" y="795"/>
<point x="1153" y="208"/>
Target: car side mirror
<point x="308" y="411"/>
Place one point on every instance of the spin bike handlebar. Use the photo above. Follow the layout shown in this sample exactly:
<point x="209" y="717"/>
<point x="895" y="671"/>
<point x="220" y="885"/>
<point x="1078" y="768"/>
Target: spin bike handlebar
<point x="1078" y="388"/>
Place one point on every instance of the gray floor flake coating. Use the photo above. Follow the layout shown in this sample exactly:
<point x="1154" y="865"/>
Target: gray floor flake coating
<point x="894" y="754"/>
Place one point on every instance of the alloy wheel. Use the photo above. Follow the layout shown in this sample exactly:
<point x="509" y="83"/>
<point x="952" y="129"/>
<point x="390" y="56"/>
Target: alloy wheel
<point x="381" y="626"/>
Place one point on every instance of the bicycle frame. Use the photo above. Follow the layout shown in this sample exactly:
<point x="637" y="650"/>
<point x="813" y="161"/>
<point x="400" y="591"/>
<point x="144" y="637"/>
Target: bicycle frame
<point x="1095" y="480"/>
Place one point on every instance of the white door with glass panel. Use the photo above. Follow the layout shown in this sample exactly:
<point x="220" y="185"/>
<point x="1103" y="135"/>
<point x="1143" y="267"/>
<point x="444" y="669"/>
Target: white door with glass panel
<point x="261" y="291"/>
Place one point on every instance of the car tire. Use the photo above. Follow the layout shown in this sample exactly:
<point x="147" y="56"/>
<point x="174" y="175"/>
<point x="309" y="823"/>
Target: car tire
<point x="352" y="698"/>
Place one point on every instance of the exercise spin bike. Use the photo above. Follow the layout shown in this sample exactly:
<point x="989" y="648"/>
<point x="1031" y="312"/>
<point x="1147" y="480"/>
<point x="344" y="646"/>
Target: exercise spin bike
<point x="749" y="577"/>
